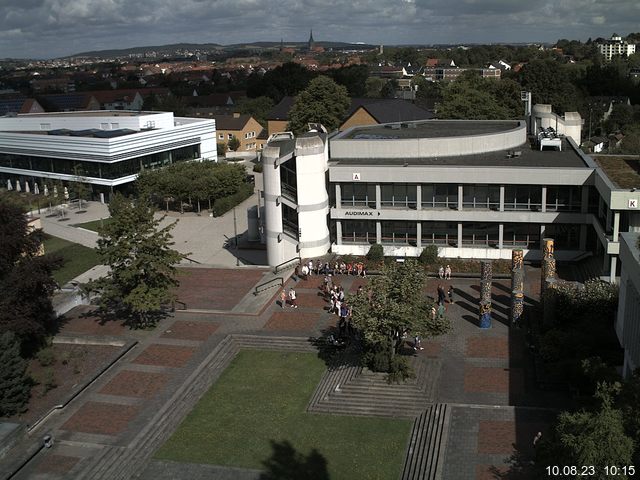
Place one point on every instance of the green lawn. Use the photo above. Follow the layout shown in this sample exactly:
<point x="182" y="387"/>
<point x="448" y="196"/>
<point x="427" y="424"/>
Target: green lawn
<point x="77" y="258"/>
<point x="93" y="225"/>
<point x="262" y="397"/>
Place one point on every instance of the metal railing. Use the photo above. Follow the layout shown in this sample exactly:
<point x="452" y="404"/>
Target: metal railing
<point x="269" y="284"/>
<point x="285" y="265"/>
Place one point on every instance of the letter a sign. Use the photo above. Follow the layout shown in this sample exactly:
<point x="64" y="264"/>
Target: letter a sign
<point x="356" y="177"/>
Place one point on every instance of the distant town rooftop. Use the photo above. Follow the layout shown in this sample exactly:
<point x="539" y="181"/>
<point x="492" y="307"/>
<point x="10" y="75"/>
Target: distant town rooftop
<point x="429" y="129"/>
<point x="624" y="172"/>
<point x="93" y="113"/>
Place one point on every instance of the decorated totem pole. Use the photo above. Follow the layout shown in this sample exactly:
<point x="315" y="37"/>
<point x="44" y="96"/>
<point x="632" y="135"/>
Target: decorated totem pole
<point x="486" y="274"/>
<point x="517" y="285"/>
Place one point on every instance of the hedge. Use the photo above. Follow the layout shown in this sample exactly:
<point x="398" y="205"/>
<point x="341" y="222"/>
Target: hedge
<point x="224" y="204"/>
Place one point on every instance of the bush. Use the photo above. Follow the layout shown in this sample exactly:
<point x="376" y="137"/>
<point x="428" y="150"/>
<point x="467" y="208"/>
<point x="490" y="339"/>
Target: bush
<point x="429" y="255"/>
<point x="46" y="357"/>
<point x="224" y="204"/>
<point x="257" y="167"/>
<point x="48" y="381"/>
<point x="376" y="253"/>
<point x="399" y="370"/>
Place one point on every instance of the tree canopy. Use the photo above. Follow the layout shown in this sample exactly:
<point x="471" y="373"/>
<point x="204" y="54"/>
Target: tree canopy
<point x="26" y="280"/>
<point x="141" y="261"/>
<point x="323" y="101"/>
<point x="14" y="383"/>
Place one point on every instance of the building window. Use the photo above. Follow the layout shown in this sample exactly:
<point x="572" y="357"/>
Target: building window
<point x="221" y="136"/>
<point x="104" y="126"/>
<point x="564" y="199"/>
<point x="115" y="126"/>
<point x="440" y="195"/>
<point x="398" y="195"/>
<point x="565" y="236"/>
<point x="523" y="197"/>
<point x="358" y="231"/>
<point x="484" y="197"/>
<point x="399" y="233"/>
<point x="440" y="233"/>
<point x="290" y="221"/>
<point x="45" y="126"/>
<point x="229" y="136"/>
<point x="480" y="234"/>
<point x="288" y="180"/>
<point x="358" y="195"/>
<point x="521" y="235"/>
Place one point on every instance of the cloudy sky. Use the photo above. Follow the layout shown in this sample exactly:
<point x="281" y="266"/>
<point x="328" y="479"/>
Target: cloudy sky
<point x="51" y="28"/>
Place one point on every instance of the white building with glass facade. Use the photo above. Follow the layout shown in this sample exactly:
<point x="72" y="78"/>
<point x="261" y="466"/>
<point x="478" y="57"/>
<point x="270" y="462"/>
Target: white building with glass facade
<point x="475" y="189"/>
<point x="107" y="148"/>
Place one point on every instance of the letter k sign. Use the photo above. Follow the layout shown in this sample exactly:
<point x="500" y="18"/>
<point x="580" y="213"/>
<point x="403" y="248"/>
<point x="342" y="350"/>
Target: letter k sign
<point x="633" y="203"/>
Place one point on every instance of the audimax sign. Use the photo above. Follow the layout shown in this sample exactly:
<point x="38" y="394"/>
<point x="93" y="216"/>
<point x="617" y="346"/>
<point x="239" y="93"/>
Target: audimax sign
<point x="360" y="213"/>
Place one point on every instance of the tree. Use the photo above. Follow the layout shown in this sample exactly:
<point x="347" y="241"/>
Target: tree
<point x="287" y="79"/>
<point x="393" y="303"/>
<point x="373" y="87"/>
<point x="142" y="264"/>
<point x="26" y="280"/>
<point x="15" y="386"/>
<point x="79" y="186"/>
<point x="467" y="99"/>
<point x="233" y="144"/>
<point x="323" y="101"/>
<point x="353" y="77"/>
<point x="551" y="83"/>
<point x="589" y="437"/>
<point x="258" y="108"/>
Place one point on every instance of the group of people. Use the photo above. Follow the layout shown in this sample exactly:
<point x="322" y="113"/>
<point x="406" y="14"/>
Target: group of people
<point x="443" y="294"/>
<point x="291" y="298"/>
<point x="338" y="268"/>
<point x="444" y="272"/>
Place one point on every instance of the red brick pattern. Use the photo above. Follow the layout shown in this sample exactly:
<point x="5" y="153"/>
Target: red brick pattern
<point x="488" y="347"/>
<point x="493" y="380"/>
<point x="56" y="464"/>
<point x="101" y="418"/>
<point x="165" y="355"/>
<point x="185" y="330"/>
<point x="213" y="288"/>
<point x="492" y="472"/>
<point x="357" y="281"/>
<point x="431" y="349"/>
<point x="292" y="320"/>
<point x="496" y="437"/>
<point x="84" y="320"/>
<point x="311" y="299"/>
<point x="130" y="383"/>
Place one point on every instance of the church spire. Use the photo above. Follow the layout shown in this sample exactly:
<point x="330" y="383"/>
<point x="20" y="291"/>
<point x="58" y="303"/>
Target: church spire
<point x="311" y="42"/>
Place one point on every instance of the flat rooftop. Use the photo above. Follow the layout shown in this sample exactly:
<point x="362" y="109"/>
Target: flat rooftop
<point x="430" y="129"/>
<point x="529" y="157"/>
<point x="92" y="113"/>
<point x="623" y="171"/>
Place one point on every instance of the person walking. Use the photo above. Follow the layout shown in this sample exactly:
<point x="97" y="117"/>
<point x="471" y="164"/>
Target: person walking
<point x="310" y="267"/>
<point x="292" y="298"/>
<point x="441" y="295"/>
<point x="283" y="298"/>
<point x="417" y="344"/>
<point x="450" y="293"/>
<point x="447" y="273"/>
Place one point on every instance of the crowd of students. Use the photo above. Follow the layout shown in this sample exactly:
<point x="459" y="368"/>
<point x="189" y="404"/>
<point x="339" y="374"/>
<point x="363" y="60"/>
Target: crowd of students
<point x="338" y="268"/>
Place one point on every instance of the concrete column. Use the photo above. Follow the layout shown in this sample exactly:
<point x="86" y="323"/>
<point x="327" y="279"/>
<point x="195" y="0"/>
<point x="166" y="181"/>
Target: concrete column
<point x="605" y="263"/>
<point x="338" y="196"/>
<point x="378" y="232"/>
<point x="544" y="199"/>
<point x="500" y="235"/>
<point x="378" y="198"/>
<point x="459" y="235"/>
<point x="542" y="232"/>
<point x="616" y="225"/>
<point x="584" y="202"/>
<point x="607" y="224"/>
<point x="460" y="197"/>
<point x="502" y="198"/>
<point x="419" y="234"/>
<point x="418" y="198"/>
<point x="339" y="232"/>
<point x="583" y="238"/>
<point x="612" y="273"/>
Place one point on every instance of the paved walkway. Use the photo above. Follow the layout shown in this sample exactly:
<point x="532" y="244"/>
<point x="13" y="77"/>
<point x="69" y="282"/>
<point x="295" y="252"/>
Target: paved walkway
<point x="112" y="430"/>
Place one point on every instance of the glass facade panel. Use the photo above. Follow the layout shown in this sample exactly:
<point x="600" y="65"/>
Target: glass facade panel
<point x="440" y="233"/>
<point x="523" y="197"/>
<point x="480" y="234"/>
<point x="289" y="221"/>
<point x="358" y="231"/>
<point x="521" y="235"/>
<point x="99" y="169"/>
<point x="398" y="195"/>
<point x="399" y="233"/>
<point x="440" y="195"/>
<point x="564" y="199"/>
<point x="288" y="180"/>
<point x="565" y="236"/>
<point x="358" y="195"/>
<point x="486" y="197"/>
